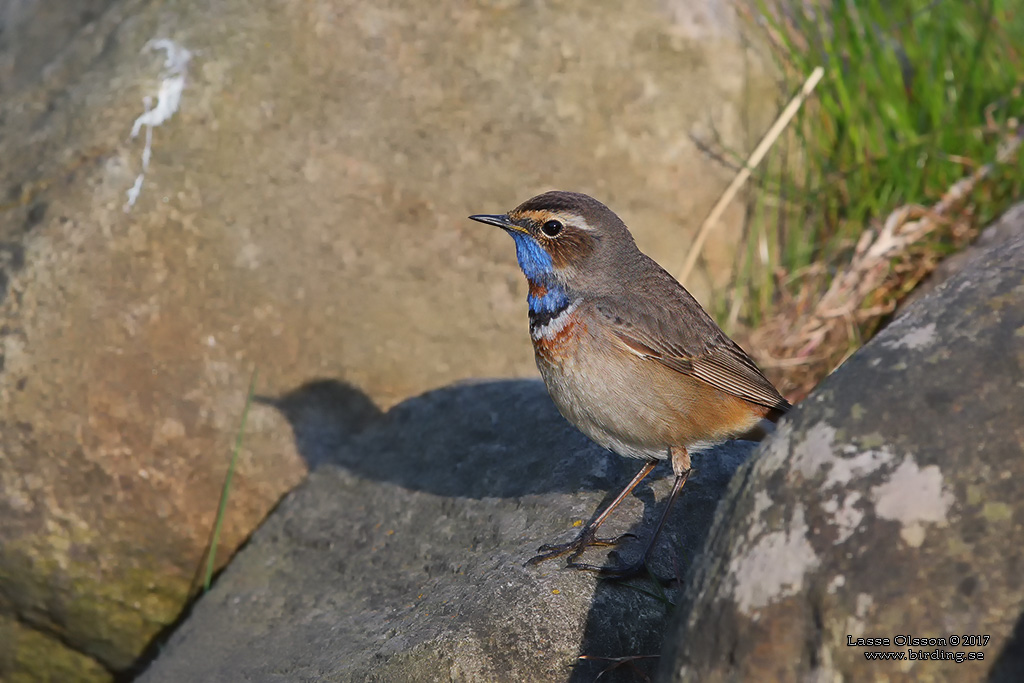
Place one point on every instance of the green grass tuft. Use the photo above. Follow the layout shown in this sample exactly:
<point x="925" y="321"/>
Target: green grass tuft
<point x="917" y="94"/>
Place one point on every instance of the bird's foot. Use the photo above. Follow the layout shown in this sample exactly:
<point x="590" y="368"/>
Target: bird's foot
<point x="576" y="547"/>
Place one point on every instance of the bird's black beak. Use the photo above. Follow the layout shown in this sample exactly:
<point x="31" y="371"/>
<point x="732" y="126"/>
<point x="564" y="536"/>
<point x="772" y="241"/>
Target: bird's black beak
<point x="501" y="221"/>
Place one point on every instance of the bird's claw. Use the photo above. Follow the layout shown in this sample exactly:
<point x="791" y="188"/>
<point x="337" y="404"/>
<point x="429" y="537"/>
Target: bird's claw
<point x="576" y="547"/>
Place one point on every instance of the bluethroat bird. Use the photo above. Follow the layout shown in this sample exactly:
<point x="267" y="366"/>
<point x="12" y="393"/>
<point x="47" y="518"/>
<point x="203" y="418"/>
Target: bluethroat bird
<point x="628" y="356"/>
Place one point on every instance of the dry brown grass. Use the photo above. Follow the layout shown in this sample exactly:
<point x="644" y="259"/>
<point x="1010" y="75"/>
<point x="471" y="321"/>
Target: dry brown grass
<point x="821" y="318"/>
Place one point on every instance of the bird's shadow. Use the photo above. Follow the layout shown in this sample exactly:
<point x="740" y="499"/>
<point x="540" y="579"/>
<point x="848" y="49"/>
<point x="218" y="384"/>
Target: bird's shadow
<point x="505" y="438"/>
<point x="497" y="438"/>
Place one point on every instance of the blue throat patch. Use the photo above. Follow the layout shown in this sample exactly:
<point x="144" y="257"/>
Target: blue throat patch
<point x="539" y="270"/>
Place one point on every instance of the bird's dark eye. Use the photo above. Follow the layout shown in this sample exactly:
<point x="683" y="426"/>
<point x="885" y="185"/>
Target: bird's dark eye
<point x="551" y="228"/>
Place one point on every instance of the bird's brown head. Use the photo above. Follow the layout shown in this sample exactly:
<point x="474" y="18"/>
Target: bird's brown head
<point x="566" y="240"/>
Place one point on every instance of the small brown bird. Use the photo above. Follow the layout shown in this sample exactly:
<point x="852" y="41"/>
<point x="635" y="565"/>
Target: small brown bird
<point x="628" y="356"/>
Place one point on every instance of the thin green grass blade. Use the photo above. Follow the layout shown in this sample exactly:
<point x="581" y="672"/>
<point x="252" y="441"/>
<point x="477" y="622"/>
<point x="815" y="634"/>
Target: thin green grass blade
<point x="226" y="489"/>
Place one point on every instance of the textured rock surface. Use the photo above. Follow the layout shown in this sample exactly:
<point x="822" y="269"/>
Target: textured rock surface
<point x="303" y="211"/>
<point x="403" y="560"/>
<point x="28" y="655"/>
<point x="890" y="504"/>
<point x="33" y="32"/>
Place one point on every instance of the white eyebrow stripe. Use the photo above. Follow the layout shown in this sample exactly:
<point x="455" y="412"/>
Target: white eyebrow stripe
<point x="573" y="219"/>
<point x="578" y="222"/>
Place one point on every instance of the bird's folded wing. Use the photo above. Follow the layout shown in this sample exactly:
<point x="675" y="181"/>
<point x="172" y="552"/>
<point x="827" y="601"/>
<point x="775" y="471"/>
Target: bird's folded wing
<point x="713" y="358"/>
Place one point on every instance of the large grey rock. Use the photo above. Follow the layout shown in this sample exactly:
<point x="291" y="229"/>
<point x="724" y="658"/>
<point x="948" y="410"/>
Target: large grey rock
<point x="889" y="504"/>
<point x="303" y="211"/>
<point x="403" y="559"/>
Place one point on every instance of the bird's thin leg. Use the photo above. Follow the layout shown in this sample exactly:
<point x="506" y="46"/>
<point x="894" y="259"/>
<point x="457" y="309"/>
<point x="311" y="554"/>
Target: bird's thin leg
<point x="681" y="467"/>
<point x="588" y="536"/>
